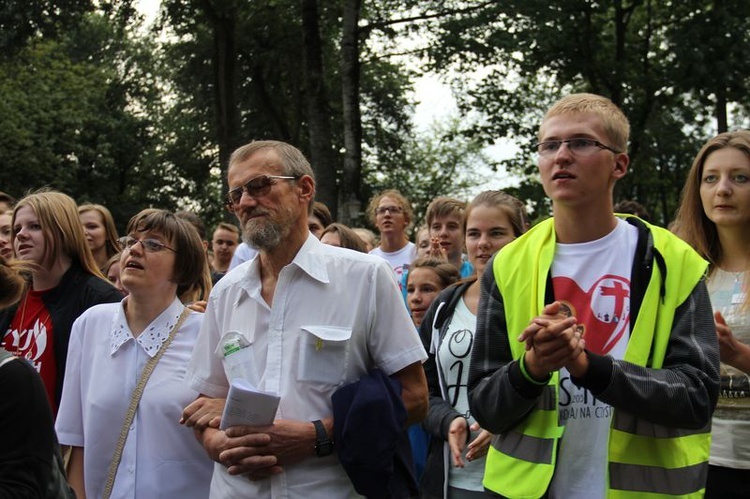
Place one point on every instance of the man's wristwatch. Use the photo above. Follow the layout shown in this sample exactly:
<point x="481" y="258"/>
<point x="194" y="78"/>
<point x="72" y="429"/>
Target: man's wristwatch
<point x="323" y="444"/>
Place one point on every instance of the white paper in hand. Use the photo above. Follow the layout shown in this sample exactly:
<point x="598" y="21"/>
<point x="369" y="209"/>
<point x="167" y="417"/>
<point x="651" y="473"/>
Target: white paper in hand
<point x="246" y="405"/>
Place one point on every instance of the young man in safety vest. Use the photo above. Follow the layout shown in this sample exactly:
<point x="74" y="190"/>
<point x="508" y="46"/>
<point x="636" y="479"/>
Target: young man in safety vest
<point x="595" y="360"/>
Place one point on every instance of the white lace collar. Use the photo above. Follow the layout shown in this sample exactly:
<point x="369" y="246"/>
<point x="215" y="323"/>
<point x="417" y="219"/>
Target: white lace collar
<point x="153" y="337"/>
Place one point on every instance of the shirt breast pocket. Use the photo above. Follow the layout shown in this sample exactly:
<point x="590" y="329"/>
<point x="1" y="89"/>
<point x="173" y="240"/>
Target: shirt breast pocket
<point x="237" y="351"/>
<point x="324" y="355"/>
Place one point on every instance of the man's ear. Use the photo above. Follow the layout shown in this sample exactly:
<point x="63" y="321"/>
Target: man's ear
<point x="622" y="161"/>
<point x="306" y="187"/>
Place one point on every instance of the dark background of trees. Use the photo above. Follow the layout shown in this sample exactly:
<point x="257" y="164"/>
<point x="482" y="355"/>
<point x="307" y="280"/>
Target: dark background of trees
<point x="95" y="105"/>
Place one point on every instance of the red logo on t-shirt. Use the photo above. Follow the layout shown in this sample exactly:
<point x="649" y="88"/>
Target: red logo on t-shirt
<point x="30" y="336"/>
<point x="603" y="312"/>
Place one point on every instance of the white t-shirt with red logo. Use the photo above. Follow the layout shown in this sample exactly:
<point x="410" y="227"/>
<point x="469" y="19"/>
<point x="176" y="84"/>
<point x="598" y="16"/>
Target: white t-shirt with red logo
<point x="398" y="260"/>
<point x="592" y="279"/>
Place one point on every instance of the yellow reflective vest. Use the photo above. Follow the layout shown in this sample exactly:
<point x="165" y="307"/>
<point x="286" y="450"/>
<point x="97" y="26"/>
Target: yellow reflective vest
<point x="645" y="460"/>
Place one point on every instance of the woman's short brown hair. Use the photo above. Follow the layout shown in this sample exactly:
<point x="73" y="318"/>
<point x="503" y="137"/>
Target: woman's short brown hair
<point x="191" y="265"/>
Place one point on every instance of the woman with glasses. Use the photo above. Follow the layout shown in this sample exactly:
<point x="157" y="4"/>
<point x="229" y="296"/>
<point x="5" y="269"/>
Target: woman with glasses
<point x="101" y="233"/>
<point x="458" y="446"/>
<point x="714" y="218"/>
<point x="111" y="347"/>
<point x="47" y="234"/>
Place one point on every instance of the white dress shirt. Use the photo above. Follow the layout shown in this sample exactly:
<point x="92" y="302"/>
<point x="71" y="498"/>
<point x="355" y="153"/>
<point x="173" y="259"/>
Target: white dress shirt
<point x="161" y="459"/>
<point x="243" y="253"/>
<point x="336" y="313"/>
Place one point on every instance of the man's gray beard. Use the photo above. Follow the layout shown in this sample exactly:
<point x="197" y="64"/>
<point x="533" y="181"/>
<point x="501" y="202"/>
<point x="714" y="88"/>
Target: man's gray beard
<point x="265" y="236"/>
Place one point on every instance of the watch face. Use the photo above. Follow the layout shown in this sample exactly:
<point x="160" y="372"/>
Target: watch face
<point x="324" y="449"/>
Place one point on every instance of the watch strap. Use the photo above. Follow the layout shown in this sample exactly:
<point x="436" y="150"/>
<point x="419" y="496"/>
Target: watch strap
<point x="323" y="443"/>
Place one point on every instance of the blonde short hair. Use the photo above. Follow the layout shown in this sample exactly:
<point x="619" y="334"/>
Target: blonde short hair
<point x="614" y="121"/>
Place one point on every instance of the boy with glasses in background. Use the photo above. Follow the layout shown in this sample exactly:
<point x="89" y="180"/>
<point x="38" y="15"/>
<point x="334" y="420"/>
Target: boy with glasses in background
<point x="391" y="213"/>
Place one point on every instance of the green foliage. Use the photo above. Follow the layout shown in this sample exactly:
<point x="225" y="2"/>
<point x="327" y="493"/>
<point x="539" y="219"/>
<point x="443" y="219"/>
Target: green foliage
<point x="269" y="84"/>
<point x="436" y="162"/>
<point x="92" y="106"/>
<point x="660" y="61"/>
<point x="22" y="20"/>
<point x="75" y="115"/>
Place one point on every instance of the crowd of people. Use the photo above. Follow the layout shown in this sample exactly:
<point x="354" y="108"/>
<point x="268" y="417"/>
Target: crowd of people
<point x="593" y="354"/>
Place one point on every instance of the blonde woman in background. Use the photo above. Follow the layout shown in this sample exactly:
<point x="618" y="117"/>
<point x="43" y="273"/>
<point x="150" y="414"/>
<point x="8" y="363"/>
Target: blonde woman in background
<point x="47" y="234"/>
<point x="714" y="218"/>
<point x="101" y="233"/>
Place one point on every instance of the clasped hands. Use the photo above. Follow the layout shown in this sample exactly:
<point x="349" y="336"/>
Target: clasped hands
<point x="255" y="451"/>
<point x="553" y="342"/>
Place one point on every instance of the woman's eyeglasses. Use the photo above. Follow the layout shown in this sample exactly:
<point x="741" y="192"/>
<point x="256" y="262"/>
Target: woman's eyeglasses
<point x="150" y="245"/>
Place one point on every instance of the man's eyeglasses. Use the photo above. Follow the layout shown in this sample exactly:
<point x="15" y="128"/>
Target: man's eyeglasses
<point x="394" y="210"/>
<point x="150" y="245"/>
<point x="257" y="188"/>
<point x="578" y="147"/>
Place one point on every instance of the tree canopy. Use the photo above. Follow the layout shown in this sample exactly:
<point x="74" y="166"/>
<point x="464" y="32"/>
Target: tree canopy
<point x="675" y="68"/>
<point x="97" y="106"/>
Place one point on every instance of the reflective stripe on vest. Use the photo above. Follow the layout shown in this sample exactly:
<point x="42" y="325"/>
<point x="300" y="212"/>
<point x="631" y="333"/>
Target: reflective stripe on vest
<point x="628" y="423"/>
<point x="635" y="480"/>
<point x="532" y="449"/>
<point x="645" y="459"/>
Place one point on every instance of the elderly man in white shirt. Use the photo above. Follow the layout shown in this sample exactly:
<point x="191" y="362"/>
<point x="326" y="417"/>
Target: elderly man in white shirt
<point x="312" y="318"/>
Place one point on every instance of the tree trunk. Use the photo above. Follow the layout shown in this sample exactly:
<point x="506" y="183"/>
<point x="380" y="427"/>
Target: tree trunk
<point x="721" y="108"/>
<point x="225" y="83"/>
<point x="318" y="109"/>
<point x="718" y="16"/>
<point x="350" y="205"/>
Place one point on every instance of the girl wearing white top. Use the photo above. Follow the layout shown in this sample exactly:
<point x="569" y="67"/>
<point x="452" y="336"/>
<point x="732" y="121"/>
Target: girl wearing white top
<point x="455" y="462"/>
<point x="714" y="217"/>
<point x="109" y="347"/>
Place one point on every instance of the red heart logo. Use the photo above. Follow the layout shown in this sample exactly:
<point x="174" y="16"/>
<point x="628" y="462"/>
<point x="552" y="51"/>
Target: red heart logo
<point x="603" y="312"/>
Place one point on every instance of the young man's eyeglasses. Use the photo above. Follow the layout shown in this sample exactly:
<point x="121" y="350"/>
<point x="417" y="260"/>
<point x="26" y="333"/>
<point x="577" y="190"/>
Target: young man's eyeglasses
<point x="578" y="147"/>
<point x="256" y="187"/>
<point x="393" y="210"/>
<point x="150" y="245"/>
